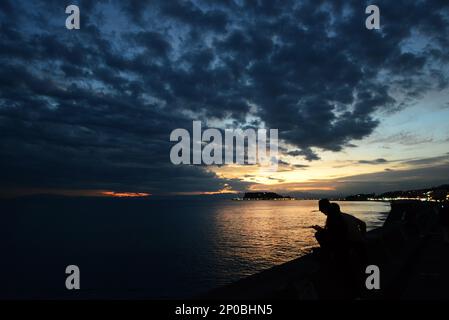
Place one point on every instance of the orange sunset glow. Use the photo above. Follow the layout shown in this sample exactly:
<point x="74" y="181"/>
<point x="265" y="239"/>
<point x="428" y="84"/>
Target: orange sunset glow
<point x="124" y="194"/>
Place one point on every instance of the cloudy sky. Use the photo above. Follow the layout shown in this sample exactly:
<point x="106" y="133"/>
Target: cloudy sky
<point x="90" y="111"/>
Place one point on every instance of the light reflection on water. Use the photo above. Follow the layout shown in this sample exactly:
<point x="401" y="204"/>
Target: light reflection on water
<point x="154" y="248"/>
<point x="256" y="235"/>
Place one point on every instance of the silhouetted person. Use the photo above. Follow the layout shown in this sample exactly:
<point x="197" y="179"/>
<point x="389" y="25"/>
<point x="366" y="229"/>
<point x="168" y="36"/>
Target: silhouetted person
<point x="342" y="241"/>
<point x="343" y="228"/>
<point x="356" y="228"/>
<point x="355" y="233"/>
<point x="333" y="236"/>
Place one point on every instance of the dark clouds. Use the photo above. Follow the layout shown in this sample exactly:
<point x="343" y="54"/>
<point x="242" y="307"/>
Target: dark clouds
<point x="307" y="153"/>
<point x="93" y="108"/>
<point x="375" y="161"/>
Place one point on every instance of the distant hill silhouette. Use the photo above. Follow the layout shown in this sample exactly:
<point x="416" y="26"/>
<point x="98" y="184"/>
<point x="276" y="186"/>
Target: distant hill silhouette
<point x="263" y="196"/>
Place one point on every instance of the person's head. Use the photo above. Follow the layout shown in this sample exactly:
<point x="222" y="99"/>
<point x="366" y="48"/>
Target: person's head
<point x="323" y="206"/>
<point x="334" y="209"/>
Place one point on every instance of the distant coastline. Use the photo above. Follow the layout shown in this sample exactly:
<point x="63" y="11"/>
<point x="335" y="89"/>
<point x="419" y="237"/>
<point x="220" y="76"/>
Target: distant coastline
<point x="440" y="193"/>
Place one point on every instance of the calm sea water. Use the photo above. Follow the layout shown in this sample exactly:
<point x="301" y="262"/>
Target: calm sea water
<point x="128" y="248"/>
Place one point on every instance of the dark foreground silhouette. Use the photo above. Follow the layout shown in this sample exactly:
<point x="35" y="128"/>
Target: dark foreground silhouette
<point x="342" y="248"/>
<point x="410" y="251"/>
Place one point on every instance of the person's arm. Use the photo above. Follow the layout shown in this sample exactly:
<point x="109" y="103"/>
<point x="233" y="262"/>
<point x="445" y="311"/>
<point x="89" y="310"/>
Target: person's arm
<point x="317" y="227"/>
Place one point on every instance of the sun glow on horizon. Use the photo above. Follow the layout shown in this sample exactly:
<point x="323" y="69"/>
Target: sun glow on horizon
<point x="124" y="194"/>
